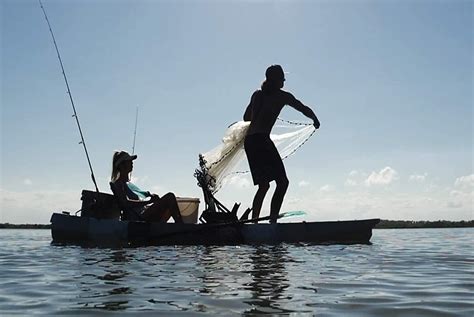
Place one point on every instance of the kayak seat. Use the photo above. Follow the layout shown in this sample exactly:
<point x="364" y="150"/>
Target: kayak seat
<point x="99" y="205"/>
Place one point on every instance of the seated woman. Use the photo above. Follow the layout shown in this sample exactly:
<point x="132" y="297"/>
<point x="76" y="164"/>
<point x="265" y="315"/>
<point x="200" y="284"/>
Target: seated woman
<point x="155" y="209"/>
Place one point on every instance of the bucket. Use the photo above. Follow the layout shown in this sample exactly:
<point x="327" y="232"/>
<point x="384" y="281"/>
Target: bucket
<point x="188" y="207"/>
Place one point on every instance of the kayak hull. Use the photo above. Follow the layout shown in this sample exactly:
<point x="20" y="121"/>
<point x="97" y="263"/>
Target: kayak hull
<point x="91" y="231"/>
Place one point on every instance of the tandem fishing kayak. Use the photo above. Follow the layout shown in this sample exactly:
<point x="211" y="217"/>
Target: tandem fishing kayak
<point x="82" y="230"/>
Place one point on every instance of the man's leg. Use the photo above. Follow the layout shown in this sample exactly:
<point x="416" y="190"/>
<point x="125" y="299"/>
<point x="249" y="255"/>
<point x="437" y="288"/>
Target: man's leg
<point x="258" y="199"/>
<point x="277" y="199"/>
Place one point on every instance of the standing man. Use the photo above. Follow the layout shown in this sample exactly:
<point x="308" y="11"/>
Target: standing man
<point x="264" y="160"/>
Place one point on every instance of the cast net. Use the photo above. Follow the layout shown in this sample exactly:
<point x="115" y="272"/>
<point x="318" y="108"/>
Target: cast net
<point x="229" y="159"/>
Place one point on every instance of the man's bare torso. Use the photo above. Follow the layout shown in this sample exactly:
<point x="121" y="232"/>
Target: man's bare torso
<point x="264" y="110"/>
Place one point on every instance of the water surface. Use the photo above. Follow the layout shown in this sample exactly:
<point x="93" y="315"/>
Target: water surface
<point x="405" y="272"/>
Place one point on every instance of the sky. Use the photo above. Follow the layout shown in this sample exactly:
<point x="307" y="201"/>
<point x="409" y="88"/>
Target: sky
<point x="391" y="82"/>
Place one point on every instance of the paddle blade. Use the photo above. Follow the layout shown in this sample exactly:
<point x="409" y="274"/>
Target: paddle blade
<point x="292" y="214"/>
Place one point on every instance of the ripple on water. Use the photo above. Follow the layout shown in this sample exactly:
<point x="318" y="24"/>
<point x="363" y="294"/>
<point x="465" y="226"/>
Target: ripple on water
<point x="403" y="273"/>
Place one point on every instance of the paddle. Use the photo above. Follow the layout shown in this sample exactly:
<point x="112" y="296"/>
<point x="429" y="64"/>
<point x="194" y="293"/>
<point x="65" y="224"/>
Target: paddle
<point x="220" y="225"/>
<point x="282" y="215"/>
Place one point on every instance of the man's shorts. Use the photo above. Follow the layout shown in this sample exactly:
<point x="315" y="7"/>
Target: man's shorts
<point x="264" y="160"/>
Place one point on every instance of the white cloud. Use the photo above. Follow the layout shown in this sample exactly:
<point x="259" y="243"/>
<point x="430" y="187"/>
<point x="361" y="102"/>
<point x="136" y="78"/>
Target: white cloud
<point x="27" y="182"/>
<point x="326" y="188"/>
<point x="454" y="204"/>
<point x="355" y="178"/>
<point x="353" y="173"/>
<point x="350" y="182"/>
<point x="338" y="205"/>
<point x="239" y="181"/>
<point x="303" y="183"/>
<point x="157" y="189"/>
<point x="139" y="180"/>
<point x="292" y="201"/>
<point x="418" y="178"/>
<point x="463" y="194"/>
<point x="465" y="182"/>
<point x="36" y="206"/>
<point x="459" y="199"/>
<point x="386" y="176"/>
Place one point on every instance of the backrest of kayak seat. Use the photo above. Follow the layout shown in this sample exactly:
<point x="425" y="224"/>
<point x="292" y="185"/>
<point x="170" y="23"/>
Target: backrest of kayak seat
<point x="99" y="205"/>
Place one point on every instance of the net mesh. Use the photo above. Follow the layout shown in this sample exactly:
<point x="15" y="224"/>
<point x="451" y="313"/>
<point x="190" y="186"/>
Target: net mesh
<point x="228" y="158"/>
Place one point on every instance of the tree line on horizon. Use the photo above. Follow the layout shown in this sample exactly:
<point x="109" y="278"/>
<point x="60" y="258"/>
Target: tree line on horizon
<point x="407" y="224"/>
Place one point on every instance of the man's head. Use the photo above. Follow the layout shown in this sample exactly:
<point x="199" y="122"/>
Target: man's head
<point x="275" y="74"/>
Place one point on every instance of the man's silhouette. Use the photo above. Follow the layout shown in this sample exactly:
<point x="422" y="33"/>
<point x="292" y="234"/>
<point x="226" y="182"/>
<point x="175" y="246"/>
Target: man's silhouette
<point x="264" y="160"/>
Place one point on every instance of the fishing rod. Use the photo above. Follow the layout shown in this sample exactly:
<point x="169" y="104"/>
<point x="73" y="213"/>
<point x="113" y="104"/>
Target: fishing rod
<point x="135" y="132"/>
<point x="70" y="96"/>
<point x="134" y="135"/>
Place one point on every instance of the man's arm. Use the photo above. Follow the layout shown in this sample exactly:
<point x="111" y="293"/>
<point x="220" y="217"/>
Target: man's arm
<point x="298" y="105"/>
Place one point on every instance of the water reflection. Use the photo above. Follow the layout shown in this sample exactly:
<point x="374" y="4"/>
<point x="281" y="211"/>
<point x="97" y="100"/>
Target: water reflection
<point x="207" y="261"/>
<point x="405" y="273"/>
<point x="219" y="270"/>
<point x="107" y="273"/>
<point x="269" y="280"/>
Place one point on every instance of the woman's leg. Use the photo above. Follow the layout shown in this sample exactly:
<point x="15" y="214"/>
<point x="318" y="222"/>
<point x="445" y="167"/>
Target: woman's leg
<point x="170" y="203"/>
<point x="258" y="199"/>
<point x="162" y="210"/>
<point x="277" y="199"/>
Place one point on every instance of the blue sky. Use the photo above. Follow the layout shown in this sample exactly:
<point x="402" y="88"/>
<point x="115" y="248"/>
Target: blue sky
<point x="391" y="82"/>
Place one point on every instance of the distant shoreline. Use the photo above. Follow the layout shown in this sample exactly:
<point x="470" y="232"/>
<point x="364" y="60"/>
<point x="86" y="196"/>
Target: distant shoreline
<point x="23" y="226"/>
<point x="410" y="224"/>
<point x="384" y="224"/>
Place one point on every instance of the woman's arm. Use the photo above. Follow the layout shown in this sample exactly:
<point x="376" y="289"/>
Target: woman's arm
<point x="121" y="194"/>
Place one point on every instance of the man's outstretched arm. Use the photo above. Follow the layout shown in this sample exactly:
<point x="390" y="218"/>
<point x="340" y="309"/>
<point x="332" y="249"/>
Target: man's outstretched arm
<point x="307" y="111"/>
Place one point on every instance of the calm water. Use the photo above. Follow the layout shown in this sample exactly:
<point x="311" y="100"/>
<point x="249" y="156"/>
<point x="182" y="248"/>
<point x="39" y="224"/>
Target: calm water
<point x="426" y="272"/>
